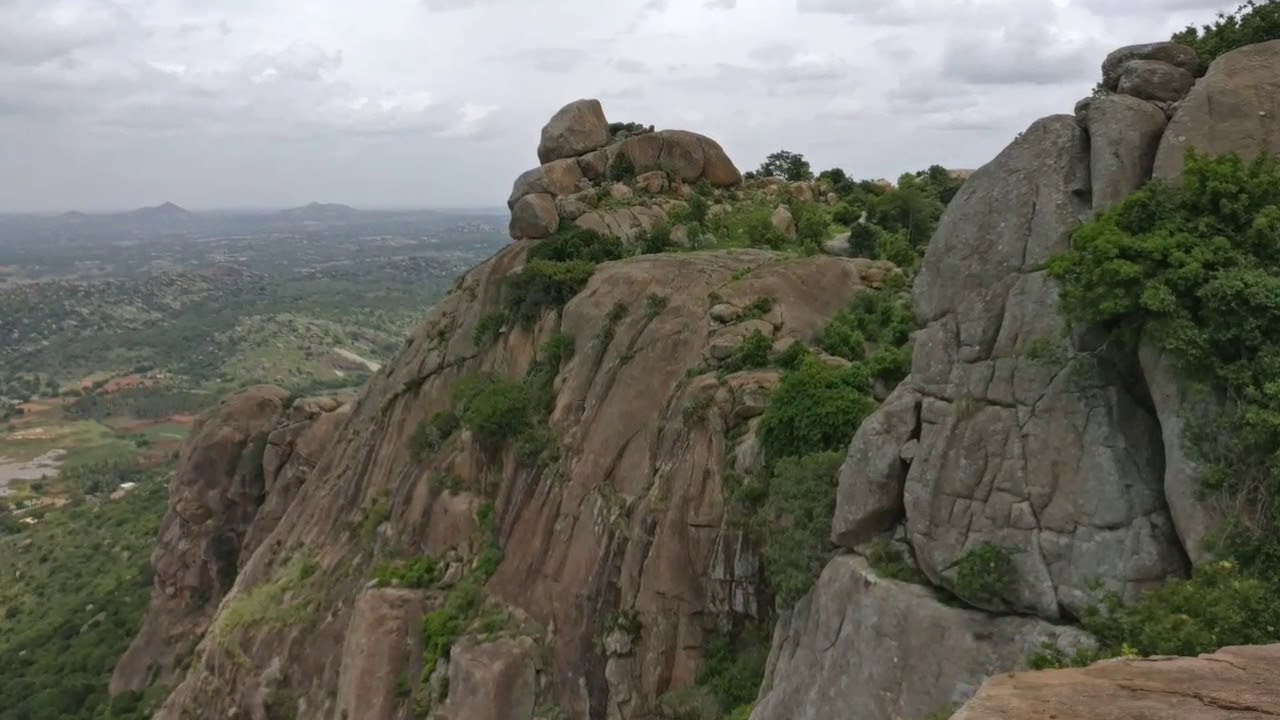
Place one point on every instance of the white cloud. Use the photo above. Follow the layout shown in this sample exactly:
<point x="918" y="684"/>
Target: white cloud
<point x="225" y="102"/>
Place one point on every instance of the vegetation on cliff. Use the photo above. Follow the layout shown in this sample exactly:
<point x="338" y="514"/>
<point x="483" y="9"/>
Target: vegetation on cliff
<point x="1195" y="268"/>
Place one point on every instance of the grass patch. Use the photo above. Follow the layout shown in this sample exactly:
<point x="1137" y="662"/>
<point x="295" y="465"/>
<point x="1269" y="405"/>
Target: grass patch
<point x="985" y="575"/>
<point x="278" y="602"/>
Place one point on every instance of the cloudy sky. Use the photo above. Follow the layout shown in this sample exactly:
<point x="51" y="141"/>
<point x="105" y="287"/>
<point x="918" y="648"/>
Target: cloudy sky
<point x="255" y="103"/>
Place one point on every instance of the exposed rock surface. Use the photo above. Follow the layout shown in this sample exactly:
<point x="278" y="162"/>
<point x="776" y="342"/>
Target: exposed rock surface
<point x="1062" y="470"/>
<point x="534" y="216"/>
<point x="1237" y="683"/>
<point x="1154" y="80"/>
<point x="784" y="223"/>
<point x="213" y="498"/>
<point x="381" y="643"/>
<point x="1124" y="134"/>
<point x="1235" y="107"/>
<point x="575" y="129"/>
<point x="632" y="517"/>
<point x="491" y="680"/>
<point x="1175" y="54"/>
<point x="861" y="646"/>
<point x="869" y="498"/>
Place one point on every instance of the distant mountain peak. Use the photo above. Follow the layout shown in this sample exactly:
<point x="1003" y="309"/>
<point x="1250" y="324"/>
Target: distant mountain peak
<point x="320" y="210"/>
<point x="165" y="209"/>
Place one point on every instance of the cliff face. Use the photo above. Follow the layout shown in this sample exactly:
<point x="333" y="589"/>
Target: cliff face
<point x="579" y="568"/>
<point x="1060" y="448"/>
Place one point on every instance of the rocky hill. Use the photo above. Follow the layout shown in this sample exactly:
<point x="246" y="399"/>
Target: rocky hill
<point x="612" y="462"/>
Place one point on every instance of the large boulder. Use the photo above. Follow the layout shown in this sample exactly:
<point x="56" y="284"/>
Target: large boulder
<point x="1154" y="80"/>
<point x="1024" y="446"/>
<point x="625" y="223"/>
<point x="1235" y="107"/>
<point x="575" y="129"/>
<point x="1236" y="683"/>
<point x="1124" y="134"/>
<point x="783" y="222"/>
<point x="556" y="178"/>
<point x="534" y="217"/>
<point x="688" y="156"/>
<point x="861" y="646"/>
<point x="870" y="484"/>
<point x="1175" y="54"/>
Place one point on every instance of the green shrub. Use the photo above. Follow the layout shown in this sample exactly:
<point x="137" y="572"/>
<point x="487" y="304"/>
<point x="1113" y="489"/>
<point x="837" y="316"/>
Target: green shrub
<point x="654" y="304"/>
<point x="429" y="435"/>
<point x="494" y="409"/>
<point x="1252" y="22"/>
<point x="1196" y="268"/>
<point x="1219" y="606"/>
<point x="487" y="329"/>
<point x="985" y="575"/>
<point x="622" y="169"/>
<point x="879" y="317"/>
<point x="758" y="308"/>
<point x="656" y="240"/>
<point x="420" y="572"/>
<point x="816" y="408"/>
<point x="571" y="243"/>
<point x="888" y="561"/>
<point x="733" y="664"/>
<point x="793" y="524"/>
<point x="748" y="225"/>
<point x="543" y="285"/>
<point x="752" y="353"/>
<point x="813" y="223"/>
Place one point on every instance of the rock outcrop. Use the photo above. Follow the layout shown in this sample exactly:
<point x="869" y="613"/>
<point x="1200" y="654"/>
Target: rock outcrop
<point x="621" y="512"/>
<point x="577" y="157"/>
<point x="1011" y="433"/>
<point x="877" y="648"/>
<point x="1237" y="683"/>
<point x="237" y="473"/>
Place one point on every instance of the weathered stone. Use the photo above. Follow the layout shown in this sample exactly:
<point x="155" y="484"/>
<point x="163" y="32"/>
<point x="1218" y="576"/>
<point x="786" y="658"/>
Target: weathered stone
<point x="1235" y="107"/>
<point x="626" y="223"/>
<point x="383" y="643"/>
<point x="726" y="340"/>
<point x="534" y="217"/>
<point x="594" y="165"/>
<point x="1174" y="402"/>
<point x="783" y="222"/>
<point x="652" y="182"/>
<point x="725" y="313"/>
<point x="575" y="129"/>
<point x="560" y="177"/>
<point x="861" y="646"/>
<point x="682" y="155"/>
<point x="1154" y="80"/>
<point x="1234" y="683"/>
<point x="213" y="499"/>
<point x="802" y="191"/>
<point x="618" y="191"/>
<point x="1124" y="134"/>
<point x="1175" y="54"/>
<point x="572" y="207"/>
<point x="680" y="236"/>
<point x="717" y="168"/>
<point x="493" y="680"/>
<point x="1016" y="437"/>
<point x="751" y="391"/>
<point x="869" y="494"/>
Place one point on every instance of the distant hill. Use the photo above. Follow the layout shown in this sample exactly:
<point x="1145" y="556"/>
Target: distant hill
<point x="320" y="211"/>
<point x="166" y="210"/>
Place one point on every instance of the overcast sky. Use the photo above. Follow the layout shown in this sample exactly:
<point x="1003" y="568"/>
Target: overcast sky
<point x="231" y="103"/>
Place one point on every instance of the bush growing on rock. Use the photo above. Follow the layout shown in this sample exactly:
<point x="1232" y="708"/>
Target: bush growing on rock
<point x="816" y="408"/>
<point x="492" y="408"/>
<point x="794" y="523"/>
<point x="1195" y="268"/>
<point x="1252" y="22"/>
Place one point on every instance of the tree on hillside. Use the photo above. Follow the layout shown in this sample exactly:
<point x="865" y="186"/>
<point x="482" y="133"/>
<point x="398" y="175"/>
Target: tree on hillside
<point x="784" y="164"/>
<point x="1253" y="22"/>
